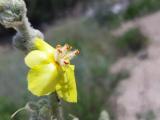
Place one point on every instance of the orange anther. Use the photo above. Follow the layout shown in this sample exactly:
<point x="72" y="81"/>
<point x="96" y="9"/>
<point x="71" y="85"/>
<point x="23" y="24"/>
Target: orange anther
<point x="77" y="52"/>
<point x="65" y="62"/>
<point x="58" y="46"/>
<point x="67" y="46"/>
<point x="59" y="50"/>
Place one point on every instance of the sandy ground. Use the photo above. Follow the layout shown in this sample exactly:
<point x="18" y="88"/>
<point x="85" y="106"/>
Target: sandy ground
<point x="139" y="95"/>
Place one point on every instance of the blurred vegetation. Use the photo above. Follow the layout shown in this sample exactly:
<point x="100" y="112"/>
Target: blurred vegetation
<point x="13" y="91"/>
<point x="103" y="14"/>
<point x="136" y="8"/>
<point x="12" y="73"/>
<point x="40" y="11"/>
<point x="147" y="115"/>
<point x="7" y="108"/>
<point x="131" y="42"/>
<point x="141" y="7"/>
<point x="107" y="18"/>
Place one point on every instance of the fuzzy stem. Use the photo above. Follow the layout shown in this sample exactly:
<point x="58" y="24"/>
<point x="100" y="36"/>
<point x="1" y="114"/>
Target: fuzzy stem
<point x="25" y="28"/>
<point x="56" y="106"/>
<point x="19" y="110"/>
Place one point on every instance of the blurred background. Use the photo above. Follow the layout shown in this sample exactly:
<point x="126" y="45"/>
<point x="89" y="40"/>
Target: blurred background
<point x="118" y="68"/>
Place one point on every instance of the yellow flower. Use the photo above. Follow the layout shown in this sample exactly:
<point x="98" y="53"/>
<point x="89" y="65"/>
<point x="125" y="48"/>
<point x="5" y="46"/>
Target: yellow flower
<point x="51" y="71"/>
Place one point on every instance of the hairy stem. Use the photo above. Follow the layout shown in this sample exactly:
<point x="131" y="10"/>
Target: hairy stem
<point x="19" y="110"/>
<point x="57" y="109"/>
<point x="25" y="29"/>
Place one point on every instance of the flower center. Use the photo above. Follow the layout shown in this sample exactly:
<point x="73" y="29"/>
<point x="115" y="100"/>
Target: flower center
<point x="64" y="54"/>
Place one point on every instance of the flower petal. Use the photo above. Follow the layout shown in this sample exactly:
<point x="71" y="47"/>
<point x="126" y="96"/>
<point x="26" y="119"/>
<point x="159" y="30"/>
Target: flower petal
<point x="35" y="58"/>
<point x="40" y="44"/>
<point x="67" y="89"/>
<point x="43" y="80"/>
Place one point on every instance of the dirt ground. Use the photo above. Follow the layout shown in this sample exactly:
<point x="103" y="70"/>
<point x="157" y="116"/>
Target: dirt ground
<point x="138" y="97"/>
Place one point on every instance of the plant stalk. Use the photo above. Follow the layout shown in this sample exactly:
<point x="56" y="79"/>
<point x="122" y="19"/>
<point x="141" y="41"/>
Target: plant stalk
<point x="56" y="106"/>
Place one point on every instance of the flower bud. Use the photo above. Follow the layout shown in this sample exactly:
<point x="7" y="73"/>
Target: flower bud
<point x="12" y="12"/>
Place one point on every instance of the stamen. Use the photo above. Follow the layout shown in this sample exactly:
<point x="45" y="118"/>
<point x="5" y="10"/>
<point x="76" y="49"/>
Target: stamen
<point x="70" y="55"/>
<point x="77" y="52"/>
<point x="56" y="56"/>
<point x="68" y="47"/>
<point x="59" y="50"/>
<point x="64" y="54"/>
<point x="65" y="48"/>
<point x="66" y="63"/>
<point x="58" y="46"/>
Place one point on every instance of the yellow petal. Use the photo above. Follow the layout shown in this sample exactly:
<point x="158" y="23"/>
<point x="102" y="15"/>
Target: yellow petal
<point x="43" y="80"/>
<point x="35" y="58"/>
<point x="40" y="44"/>
<point x="67" y="89"/>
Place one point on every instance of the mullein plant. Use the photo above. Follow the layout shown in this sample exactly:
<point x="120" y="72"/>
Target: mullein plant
<point x="51" y="72"/>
